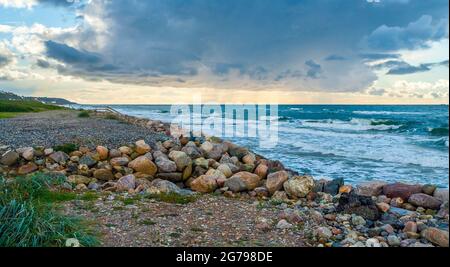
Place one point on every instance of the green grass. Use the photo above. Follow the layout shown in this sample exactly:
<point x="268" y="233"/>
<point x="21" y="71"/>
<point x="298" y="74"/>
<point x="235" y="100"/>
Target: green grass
<point x="25" y="106"/>
<point x="111" y="117"/>
<point x="84" y="114"/>
<point x="67" y="148"/>
<point x="173" y="198"/>
<point x="147" y="222"/>
<point x="8" y="115"/>
<point x="29" y="215"/>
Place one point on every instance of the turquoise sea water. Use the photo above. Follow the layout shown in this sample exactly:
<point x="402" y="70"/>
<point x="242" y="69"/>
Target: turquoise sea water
<point x="357" y="143"/>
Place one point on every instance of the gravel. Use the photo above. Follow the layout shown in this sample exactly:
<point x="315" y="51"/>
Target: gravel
<point x="62" y="127"/>
<point x="209" y="221"/>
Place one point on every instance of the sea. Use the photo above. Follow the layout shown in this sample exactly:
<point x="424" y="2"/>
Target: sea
<point x="355" y="142"/>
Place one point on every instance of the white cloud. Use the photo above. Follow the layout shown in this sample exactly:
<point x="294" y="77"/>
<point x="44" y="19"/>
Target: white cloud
<point x="18" y="3"/>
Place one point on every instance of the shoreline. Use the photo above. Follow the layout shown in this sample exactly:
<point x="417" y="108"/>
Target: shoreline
<point x="210" y="165"/>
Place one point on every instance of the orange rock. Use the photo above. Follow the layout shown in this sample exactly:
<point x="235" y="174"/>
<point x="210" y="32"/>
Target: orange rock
<point x="143" y="165"/>
<point x="28" y="168"/>
<point x="345" y="189"/>
<point x="261" y="171"/>
<point x="102" y="152"/>
<point x="204" y="184"/>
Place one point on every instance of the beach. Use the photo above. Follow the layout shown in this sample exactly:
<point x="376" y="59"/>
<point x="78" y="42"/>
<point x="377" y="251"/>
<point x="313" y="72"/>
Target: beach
<point x="207" y="191"/>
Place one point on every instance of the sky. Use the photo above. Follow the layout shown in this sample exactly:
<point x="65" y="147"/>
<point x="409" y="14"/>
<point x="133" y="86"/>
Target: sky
<point x="227" y="51"/>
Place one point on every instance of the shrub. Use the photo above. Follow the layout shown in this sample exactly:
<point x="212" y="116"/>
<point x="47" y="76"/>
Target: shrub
<point x="66" y="148"/>
<point x="83" y="114"/>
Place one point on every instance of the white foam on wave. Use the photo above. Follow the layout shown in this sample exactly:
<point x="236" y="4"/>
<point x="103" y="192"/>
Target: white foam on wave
<point x="362" y="112"/>
<point x="352" y="125"/>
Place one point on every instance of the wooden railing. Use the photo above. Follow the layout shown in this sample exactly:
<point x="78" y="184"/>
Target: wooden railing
<point x="108" y="110"/>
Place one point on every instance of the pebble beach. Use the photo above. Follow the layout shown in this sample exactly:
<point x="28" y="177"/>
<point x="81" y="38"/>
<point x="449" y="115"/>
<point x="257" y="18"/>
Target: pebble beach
<point x="239" y="198"/>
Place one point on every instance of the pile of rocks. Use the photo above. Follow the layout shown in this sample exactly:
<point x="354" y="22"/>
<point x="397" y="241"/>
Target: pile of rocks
<point x="372" y="214"/>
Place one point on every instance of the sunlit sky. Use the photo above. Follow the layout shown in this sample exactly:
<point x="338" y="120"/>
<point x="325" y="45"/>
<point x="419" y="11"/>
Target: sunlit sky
<point x="228" y="51"/>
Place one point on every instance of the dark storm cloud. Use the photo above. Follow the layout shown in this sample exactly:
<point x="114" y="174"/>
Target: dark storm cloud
<point x="399" y="67"/>
<point x="263" y="40"/>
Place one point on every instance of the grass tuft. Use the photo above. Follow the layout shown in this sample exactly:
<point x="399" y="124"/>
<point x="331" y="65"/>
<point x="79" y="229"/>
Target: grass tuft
<point x="173" y="198"/>
<point x="84" y="114"/>
<point x="29" y="218"/>
<point x="66" y="148"/>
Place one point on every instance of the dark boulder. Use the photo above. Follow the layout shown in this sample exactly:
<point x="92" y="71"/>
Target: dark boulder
<point x="359" y="205"/>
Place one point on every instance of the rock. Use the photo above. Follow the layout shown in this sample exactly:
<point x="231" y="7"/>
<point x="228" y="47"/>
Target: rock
<point x="410" y="227"/>
<point x="243" y="181"/>
<point x="261" y="192"/>
<point x="428" y="189"/>
<point x="207" y="147"/>
<point x="126" y="150"/>
<point x="262" y="171"/>
<point x="383" y="199"/>
<point x="299" y="186"/>
<point x="403" y="191"/>
<point x="373" y="243"/>
<point x="436" y="236"/>
<point x="426" y="201"/>
<point x="159" y="186"/>
<point x="114" y="153"/>
<point x="332" y="187"/>
<point x="126" y="183"/>
<point x="226" y="170"/>
<point x="81" y="187"/>
<point x="103" y="175"/>
<point x="216" y="174"/>
<point x="399" y="212"/>
<point x="192" y="151"/>
<point x="443" y="212"/>
<point x="78" y="179"/>
<point x="88" y="161"/>
<point x="397" y="202"/>
<point x="323" y="233"/>
<point x="215" y="153"/>
<point x="345" y="189"/>
<point x="383" y="207"/>
<point x="9" y="158"/>
<point x="119" y="161"/>
<point x="262" y="224"/>
<point x="181" y="159"/>
<point x="201" y="162"/>
<point x="173" y="176"/>
<point x="48" y="151"/>
<point x="28" y="153"/>
<point x="75" y="159"/>
<point x="204" y="184"/>
<point x="142" y="148"/>
<point x="393" y="241"/>
<point x="371" y="188"/>
<point x="358" y="205"/>
<point x="143" y="165"/>
<point x="166" y="165"/>
<point x="283" y="224"/>
<point x="236" y="151"/>
<point x="276" y="180"/>
<point x="280" y="196"/>
<point x="250" y="158"/>
<point x="27" y="168"/>
<point x="441" y="194"/>
<point x="358" y="220"/>
<point x="102" y="152"/>
<point x="187" y="172"/>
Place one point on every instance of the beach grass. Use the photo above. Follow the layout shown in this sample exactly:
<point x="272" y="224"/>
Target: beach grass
<point x="29" y="215"/>
<point x="13" y="108"/>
